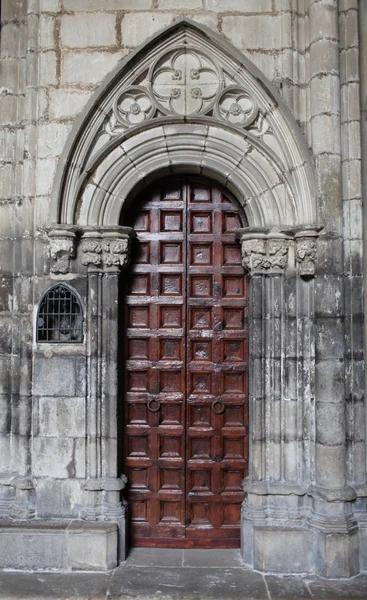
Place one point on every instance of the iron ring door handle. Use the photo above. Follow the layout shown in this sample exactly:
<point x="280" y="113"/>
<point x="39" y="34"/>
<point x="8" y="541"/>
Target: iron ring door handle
<point x="221" y="409"/>
<point x="149" y="405"/>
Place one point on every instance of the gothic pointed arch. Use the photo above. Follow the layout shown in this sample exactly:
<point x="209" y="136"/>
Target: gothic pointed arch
<point x="186" y="101"/>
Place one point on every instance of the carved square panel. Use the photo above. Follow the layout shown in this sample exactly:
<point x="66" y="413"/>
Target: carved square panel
<point x="173" y="192"/>
<point x="233" y="382"/>
<point x="201" y="254"/>
<point x="170" y="446"/>
<point x="143" y="253"/>
<point x="231" y="222"/>
<point x="171" y="285"/>
<point x="200" y="480"/>
<point x="170" y="479"/>
<point x="201" y="383"/>
<point x="171" y="253"/>
<point x="138" y="478"/>
<point x="231" y="514"/>
<point x="136" y="414"/>
<point x="170" y="316"/>
<point x="140" y="284"/>
<point x="233" y="448"/>
<point x="138" y="511"/>
<point x="234" y="416"/>
<point x="201" y="222"/>
<point x="233" y="350"/>
<point x="233" y="318"/>
<point x="201" y="350"/>
<point x="233" y="286"/>
<point x="138" y="348"/>
<point x="201" y="286"/>
<point x="171" y="221"/>
<point x="138" y="316"/>
<point x="232" y="481"/>
<point x="171" y="381"/>
<point x="170" y="349"/>
<point x="200" y="318"/>
<point x="199" y="448"/>
<point x="199" y="415"/>
<point x="170" y="511"/>
<point x="171" y="413"/>
<point x="232" y="254"/>
<point x="200" y="513"/>
<point x="200" y="193"/>
<point x="142" y="221"/>
<point x="137" y="446"/>
<point x="138" y="381"/>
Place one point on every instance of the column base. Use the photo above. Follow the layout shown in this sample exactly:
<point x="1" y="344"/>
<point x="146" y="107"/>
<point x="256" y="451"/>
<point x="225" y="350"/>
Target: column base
<point x="292" y="534"/>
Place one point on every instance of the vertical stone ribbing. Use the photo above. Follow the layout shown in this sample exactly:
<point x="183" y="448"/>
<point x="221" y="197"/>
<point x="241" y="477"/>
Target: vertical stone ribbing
<point x="325" y="128"/>
<point x="94" y="320"/>
<point x="353" y="242"/>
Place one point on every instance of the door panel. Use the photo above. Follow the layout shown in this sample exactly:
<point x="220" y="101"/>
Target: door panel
<point x="186" y="370"/>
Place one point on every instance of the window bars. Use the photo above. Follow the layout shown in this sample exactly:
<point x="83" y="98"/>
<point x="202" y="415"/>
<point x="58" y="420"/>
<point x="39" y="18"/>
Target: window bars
<point x="60" y="316"/>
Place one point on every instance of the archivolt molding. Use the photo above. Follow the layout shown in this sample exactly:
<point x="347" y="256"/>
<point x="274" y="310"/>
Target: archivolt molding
<point x="189" y="101"/>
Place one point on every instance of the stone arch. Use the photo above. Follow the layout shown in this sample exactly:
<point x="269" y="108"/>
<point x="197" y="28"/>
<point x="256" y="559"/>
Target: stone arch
<point x="232" y="126"/>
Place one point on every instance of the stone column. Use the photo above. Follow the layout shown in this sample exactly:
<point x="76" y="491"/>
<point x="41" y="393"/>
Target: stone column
<point x="281" y="267"/>
<point x="105" y="251"/>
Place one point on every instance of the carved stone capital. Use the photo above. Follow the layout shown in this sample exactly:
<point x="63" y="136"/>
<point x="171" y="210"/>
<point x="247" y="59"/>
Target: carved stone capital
<point x="306" y="251"/>
<point x="62" y="247"/>
<point x="263" y="251"/>
<point x="106" y="248"/>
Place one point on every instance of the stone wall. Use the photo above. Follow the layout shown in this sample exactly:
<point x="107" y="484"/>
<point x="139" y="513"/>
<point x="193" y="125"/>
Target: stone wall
<point x="55" y="54"/>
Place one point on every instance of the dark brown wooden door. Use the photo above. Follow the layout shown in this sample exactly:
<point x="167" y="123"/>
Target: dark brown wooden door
<point x="186" y="381"/>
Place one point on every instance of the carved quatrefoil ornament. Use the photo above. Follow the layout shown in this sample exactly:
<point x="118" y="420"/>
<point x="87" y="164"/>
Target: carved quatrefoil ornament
<point x="236" y="106"/>
<point x="185" y="82"/>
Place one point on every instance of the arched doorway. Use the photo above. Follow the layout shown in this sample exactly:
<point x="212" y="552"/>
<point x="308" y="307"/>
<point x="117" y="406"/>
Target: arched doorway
<point x="185" y="368"/>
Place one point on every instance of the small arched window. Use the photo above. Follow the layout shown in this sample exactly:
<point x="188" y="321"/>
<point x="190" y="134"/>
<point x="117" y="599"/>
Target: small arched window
<point x="60" y="316"/>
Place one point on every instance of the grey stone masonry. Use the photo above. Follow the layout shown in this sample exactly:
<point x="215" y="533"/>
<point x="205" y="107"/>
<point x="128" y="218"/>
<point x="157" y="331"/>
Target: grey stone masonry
<point x="266" y="99"/>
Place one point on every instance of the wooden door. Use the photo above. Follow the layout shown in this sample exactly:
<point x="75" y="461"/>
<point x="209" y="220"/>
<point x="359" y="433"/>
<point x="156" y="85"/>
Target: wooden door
<point x="186" y="380"/>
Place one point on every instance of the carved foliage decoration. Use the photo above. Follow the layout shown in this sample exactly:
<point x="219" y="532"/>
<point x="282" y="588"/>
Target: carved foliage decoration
<point x="264" y="255"/>
<point x="105" y="252"/>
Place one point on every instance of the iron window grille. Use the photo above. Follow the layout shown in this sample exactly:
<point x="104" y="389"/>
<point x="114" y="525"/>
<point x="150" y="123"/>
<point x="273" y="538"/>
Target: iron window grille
<point x="60" y="316"/>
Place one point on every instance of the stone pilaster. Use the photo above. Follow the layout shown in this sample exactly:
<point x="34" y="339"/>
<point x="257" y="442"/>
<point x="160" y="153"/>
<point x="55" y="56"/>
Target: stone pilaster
<point x="281" y="266"/>
<point x="104" y="251"/>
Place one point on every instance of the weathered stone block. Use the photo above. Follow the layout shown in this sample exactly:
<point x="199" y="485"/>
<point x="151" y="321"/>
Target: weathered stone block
<point x="92" y="546"/>
<point x="275" y="549"/>
<point x="337" y="555"/>
<point x="87" y="67"/>
<point x="47" y="68"/>
<point x="61" y="417"/>
<point x="330" y="380"/>
<point x="258" y="32"/>
<point x="47" y="32"/>
<point x="83" y="31"/>
<point x="60" y="458"/>
<point x="89" y="5"/>
<point x="59" y="498"/>
<point x="54" y="376"/>
<point x="136" y="27"/>
<point x="330" y="423"/>
<point x="67" y="104"/>
<point x="45" y="173"/>
<point x="251" y="6"/>
<point x="49" y="5"/>
<point x="51" y="139"/>
<point x="179" y="4"/>
<point x="32" y="546"/>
